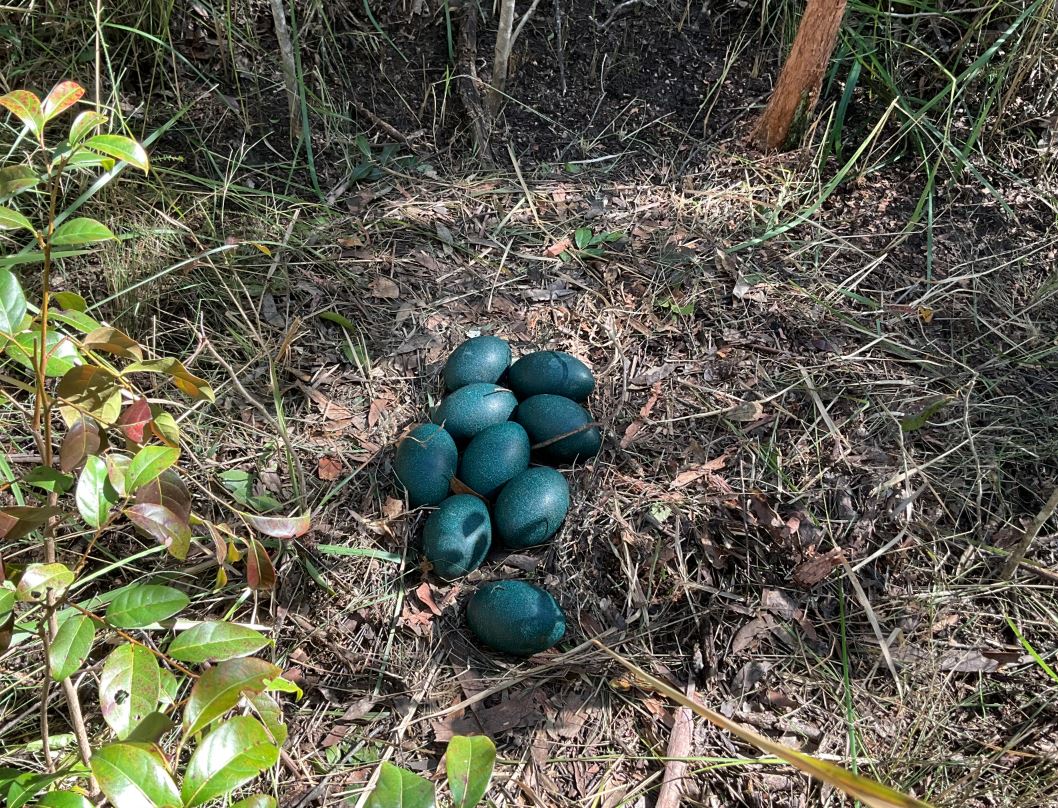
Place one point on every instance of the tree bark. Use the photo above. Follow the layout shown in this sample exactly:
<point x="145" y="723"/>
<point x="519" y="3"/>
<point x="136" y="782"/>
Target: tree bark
<point x="797" y="90"/>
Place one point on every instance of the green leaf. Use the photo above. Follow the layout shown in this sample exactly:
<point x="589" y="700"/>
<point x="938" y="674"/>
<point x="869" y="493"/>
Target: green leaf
<point x="77" y="320"/>
<point x="161" y="524"/>
<point x="7" y="603"/>
<point x="281" y="685"/>
<point x="398" y="788"/>
<point x="16" y="179"/>
<point x="25" y="106"/>
<point x="27" y="785"/>
<point x="129" y="687"/>
<point x="230" y="756"/>
<point x="64" y="799"/>
<point x="49" y="480"/>
<point x="84" y="123"/>
<point x="81" y="230"/>
<point x="69" y="300"/>
<point x="256" y="801"/>
<point x="117" y="465"/>
<point x="912" y="423"/>
<point x="145" y="604"/>
<point x="215" y="642"/>
<point x="62" y="96"/>
<point x="87" y="159"/>
<point x="184" y="379"/>
<point x="12" y="303"/>
<point x="113" y="341"/>
<point x="63" y="355"/>
<point x="90" y="390"/>
<point x="239" y="484"/>
<point x="71" y="645"/>
<point x="153" y="726"/>
<point x="147" y="464"/>
<point x="11" y="219"/>
<point x="165" y="428"/>
<point x="271" y="715"/>
<point x="220" y="688"/>
<point x="170" y="688"/>
<point x="37" y="579"/>
<point x="120" y="148"/>
<point x="95" y="495"/>
<point x="469" y="763"/>
<point x="134" y="775"/>
<point x="82" y="439"/>
<point x="582" y="237"/>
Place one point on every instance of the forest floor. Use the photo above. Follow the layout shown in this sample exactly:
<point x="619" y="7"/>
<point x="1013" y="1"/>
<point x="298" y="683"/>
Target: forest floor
<point x="824" y="428"/>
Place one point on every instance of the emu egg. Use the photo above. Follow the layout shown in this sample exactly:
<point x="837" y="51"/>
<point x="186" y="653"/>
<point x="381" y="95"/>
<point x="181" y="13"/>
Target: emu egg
<point x="425" y="464"/>
<point x="495" y="455"/>
<point x="552" y="372"/>
<point x="457" y="536"/>
<point x="548" y="416"/>
<point x="531" y="507"/>
<point x="515" y="617"/>
<point x="470" y="409"/>
<point x="481" y="359"/>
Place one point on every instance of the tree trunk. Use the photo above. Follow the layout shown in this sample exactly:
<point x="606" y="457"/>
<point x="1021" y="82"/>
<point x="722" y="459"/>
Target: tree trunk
<point x="796" y="93"/>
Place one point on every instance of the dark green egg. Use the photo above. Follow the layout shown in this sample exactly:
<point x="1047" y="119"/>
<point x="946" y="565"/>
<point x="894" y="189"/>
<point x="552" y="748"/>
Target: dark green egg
<point x="531" y="507"/>
<point x="471" y="409"/>
<point x="515" y="617"/>
<point x="548" y="416"/>
<point x="495" y="455"/>
<point x="457" y="536"/>
<point x="554" y="372"/>
<point x="426" y="463"/>
<point x="481" y="359"/>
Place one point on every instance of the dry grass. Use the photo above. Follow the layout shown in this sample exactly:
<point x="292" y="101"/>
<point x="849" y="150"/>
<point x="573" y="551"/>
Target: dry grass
<point x="752" y="397"/>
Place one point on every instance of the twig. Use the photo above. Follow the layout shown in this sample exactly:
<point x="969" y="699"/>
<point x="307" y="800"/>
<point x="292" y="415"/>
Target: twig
<point x="1034" y="527"/>
<point x="560" y="47"/>
<point x="670" y="795"/>
<point x="45" y="692"/>
<point x="521" y="23"/>
<point x="545" y="443"/>
<point x="620" y="7"/>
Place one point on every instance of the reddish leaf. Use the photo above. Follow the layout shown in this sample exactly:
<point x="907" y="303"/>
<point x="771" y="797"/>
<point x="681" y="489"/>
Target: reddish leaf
<point x="19" y="521"/>
<point x="25" y="106"/>
<point x="168" y="490"/>
<point x="163" y="525"/>
<point x="280" y="527"/>
<point x="330" y="468"/>
<point x="134" y="420"/>
<point x="82" y="440"/>
<point x="260" y="573"/>
<point x="62" y="96"/>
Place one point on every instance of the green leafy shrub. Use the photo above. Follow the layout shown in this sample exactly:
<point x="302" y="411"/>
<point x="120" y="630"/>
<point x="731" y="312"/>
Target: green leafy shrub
<point x="187" y="725"/>
<point x="469" y="762"/>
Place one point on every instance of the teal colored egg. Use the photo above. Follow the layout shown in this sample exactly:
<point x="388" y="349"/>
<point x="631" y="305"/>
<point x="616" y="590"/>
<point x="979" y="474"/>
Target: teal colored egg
<point x="495" y="455"/>
<point x="515" y="617"/>
<point x="554" y="372"/>
<point x="548" y="416"/>
<point x="457" y="536"/>
<point x="531" y="507"/>
<point x="471" y="409"/>
<point x="481" y="359"/>
<point x="426" y="463"/>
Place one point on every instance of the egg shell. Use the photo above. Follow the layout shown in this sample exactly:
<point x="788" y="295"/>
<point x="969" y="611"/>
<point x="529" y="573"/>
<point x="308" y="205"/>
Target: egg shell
<point x="554" y="372"/>
<point x="494" y="456"/>
<point x="457" y="536"/>
<point x="425" y="464"/>
<point x="481" y="359"/>
<point x="515" y="617"/>
<point x="547" y="416"/>
<point x="531" y="507"/>
<point x="471" y="409"/>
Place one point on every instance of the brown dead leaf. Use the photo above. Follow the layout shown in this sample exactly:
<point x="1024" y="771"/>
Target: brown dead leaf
<point x="420" y="622"/>
<point x="384" y="288"/>
<point x="558" y="248"/>
<point x="330" y="468"/>
<point x="653" y="375"/>
<point x="518" y="710"/>
<point x="958" y="660"/>
<point x="425" y="594"/>
<point x="637" y="425"/>
<point x="685" y="478"/>
<point x="749" y="636"/>
<point x="392" y="507"/>
<point x="379" y="407"/>
<point x="746" y="412"/>
<point x="813" y="570"/>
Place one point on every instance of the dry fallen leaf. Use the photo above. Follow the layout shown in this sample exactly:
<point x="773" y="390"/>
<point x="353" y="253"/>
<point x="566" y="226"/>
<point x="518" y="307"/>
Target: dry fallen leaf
<point x="813" y="570"/>
<point x="425" y="594"/>
<point x="558" y="248"/>
<point x="697" y="472"/>
<point x="392" y="507"/>
<point x="746" y="412"/>
<point x="330" y="468"/>
<point x="384" y="288"/>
